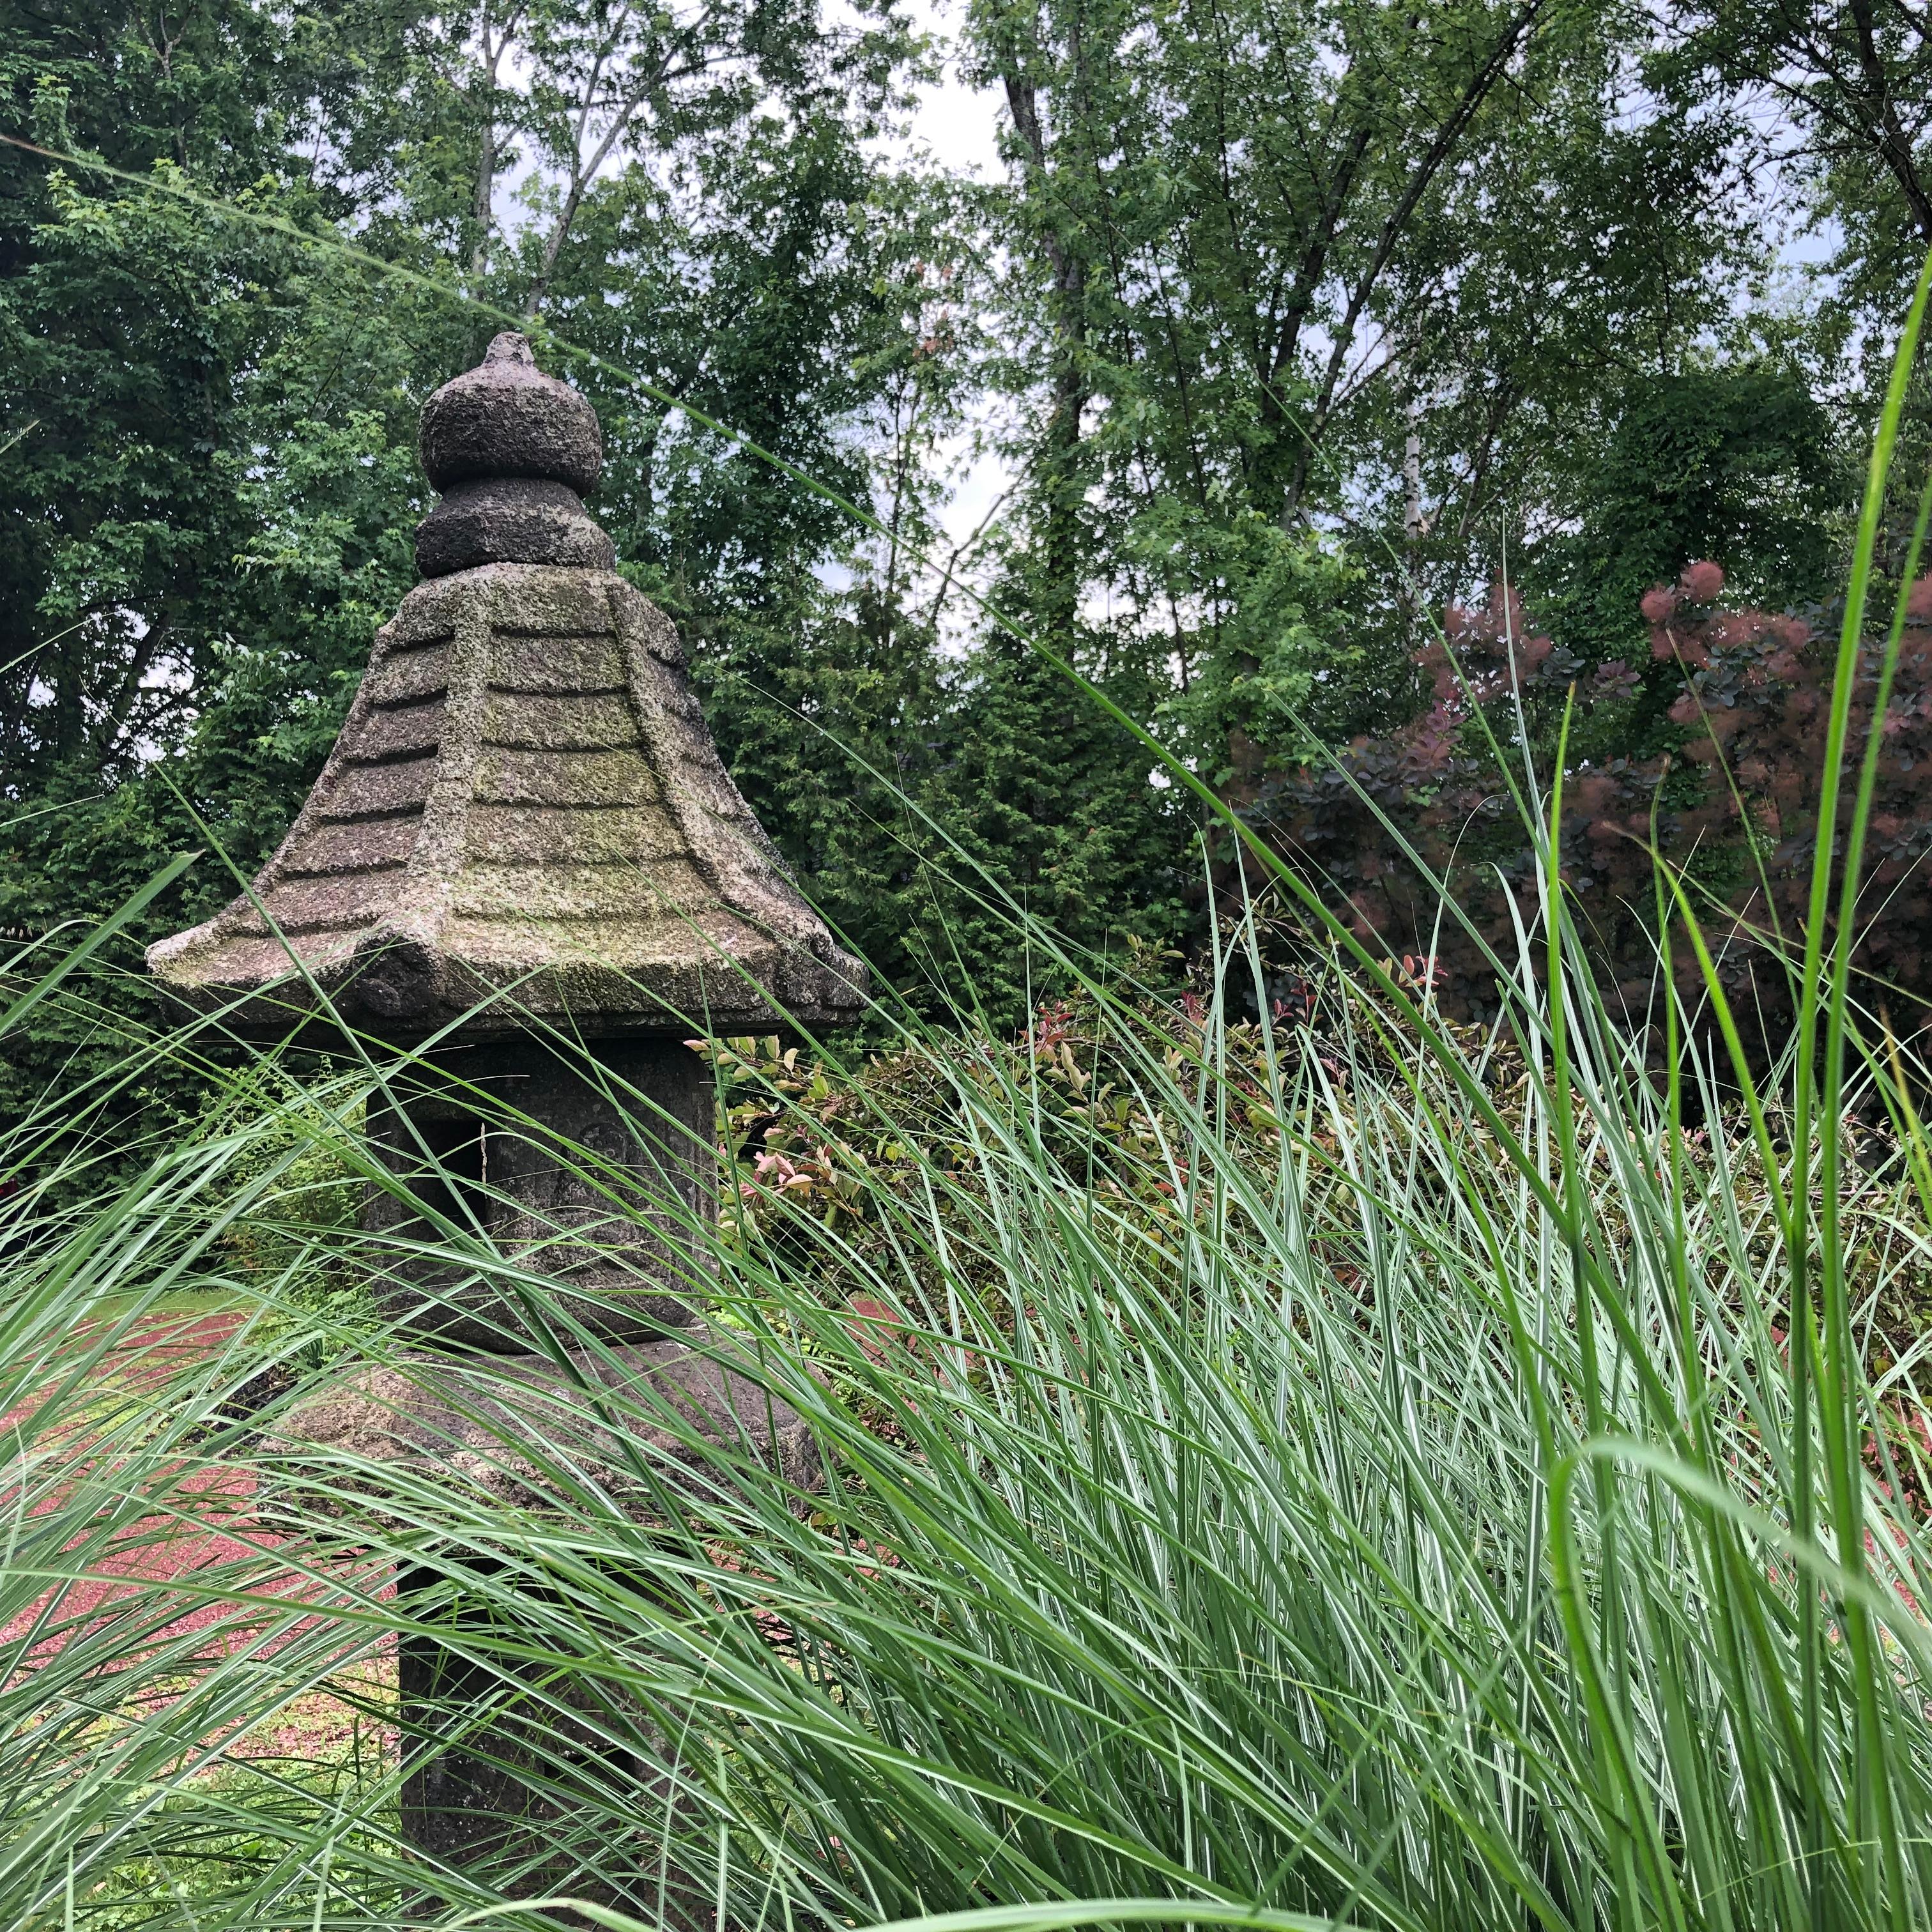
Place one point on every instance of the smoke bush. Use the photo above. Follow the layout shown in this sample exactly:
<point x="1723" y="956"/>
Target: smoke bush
<point x="1715" y="751"/>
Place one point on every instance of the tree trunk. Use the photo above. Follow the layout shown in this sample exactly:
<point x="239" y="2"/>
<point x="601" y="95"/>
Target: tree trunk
<point x="1887" y="133"/>
<point x="490" y="146"/>
<point x="1063" y="490"/>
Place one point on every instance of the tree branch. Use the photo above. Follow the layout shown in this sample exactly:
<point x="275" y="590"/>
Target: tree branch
<point x="1474" y="93"/>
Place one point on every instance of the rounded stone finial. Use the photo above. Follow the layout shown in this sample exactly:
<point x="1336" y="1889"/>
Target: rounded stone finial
<point x="506" y="418"/>
<point x="513" y="451"/>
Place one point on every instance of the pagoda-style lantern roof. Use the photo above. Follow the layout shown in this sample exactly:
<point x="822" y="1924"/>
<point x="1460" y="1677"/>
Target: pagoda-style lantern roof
<point x="525" y="798"/>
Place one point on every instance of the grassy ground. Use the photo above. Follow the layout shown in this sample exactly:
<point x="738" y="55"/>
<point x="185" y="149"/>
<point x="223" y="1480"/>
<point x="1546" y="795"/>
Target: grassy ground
<point x="1290" y="1470"/>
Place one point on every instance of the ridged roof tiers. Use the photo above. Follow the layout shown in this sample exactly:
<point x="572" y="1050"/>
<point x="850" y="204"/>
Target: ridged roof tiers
<point x="525" y="797"/>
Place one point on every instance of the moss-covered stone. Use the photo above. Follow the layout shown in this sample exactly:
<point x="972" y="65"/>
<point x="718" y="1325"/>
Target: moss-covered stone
<point x="525" y="817"/>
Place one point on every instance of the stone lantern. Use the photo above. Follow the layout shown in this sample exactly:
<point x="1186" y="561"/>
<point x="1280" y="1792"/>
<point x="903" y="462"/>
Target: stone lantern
<point x="525" y="861"/>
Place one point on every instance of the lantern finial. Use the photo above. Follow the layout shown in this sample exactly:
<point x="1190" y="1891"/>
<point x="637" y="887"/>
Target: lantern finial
<point x="514" y="452"/>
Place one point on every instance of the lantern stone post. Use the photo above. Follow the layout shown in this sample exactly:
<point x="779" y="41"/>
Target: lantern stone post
<point x="525" y="859"/>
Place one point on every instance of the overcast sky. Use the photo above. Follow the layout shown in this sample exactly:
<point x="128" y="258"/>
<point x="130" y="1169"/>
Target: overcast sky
<point x="955" y="122"/>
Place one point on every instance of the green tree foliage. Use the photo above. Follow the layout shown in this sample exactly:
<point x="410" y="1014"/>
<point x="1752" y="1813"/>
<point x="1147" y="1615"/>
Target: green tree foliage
<point x="1735" y="462"/>
<point x="209" y="480"/>
<point x="1293" y="326"/>
<point x="211" y="425"/>
<point x="1209" y="199"/>
<point x="1844" y="96"/>
<point x="1328" y="302"/>
<point x="924" y="796"/>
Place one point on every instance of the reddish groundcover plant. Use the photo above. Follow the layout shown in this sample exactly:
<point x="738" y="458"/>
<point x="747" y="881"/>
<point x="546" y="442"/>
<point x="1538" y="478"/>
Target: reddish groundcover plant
<point x="1731" y="712"/>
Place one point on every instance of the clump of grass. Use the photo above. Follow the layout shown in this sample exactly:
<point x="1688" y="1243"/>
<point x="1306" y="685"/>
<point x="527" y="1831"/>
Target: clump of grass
<point x="1375" y="1490"/>
<point x="1396" y="1520"/>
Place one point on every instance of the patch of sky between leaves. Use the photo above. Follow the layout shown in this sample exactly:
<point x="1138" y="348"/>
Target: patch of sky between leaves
<point x="954" y="125"/>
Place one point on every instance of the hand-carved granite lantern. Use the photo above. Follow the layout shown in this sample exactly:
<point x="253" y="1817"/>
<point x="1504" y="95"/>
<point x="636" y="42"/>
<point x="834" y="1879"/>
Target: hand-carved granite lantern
<point x="525" y="858"/>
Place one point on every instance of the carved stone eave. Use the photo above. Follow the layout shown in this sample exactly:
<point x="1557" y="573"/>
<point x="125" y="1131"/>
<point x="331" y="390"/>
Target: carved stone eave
<point x="524" y="803"/>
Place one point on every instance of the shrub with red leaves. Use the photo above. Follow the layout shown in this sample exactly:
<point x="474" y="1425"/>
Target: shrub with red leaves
<point x="1728" y="782"/>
